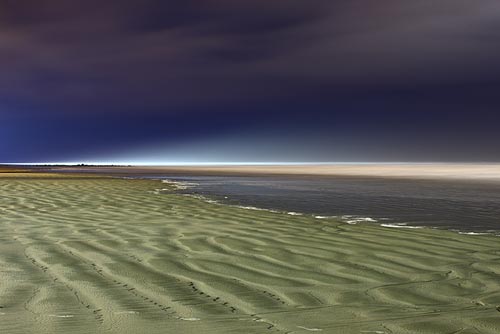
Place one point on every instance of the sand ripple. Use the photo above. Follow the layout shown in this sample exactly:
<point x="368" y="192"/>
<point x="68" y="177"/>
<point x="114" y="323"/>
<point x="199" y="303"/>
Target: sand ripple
<point x="117" y="256"/>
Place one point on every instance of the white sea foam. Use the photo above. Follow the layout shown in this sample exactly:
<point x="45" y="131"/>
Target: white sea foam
<point x="180" y="185"/>
<point x="254" y="208"/>
<point x="325" y="217"/>
<point x="291" y="213"/>
<point x="353" y="220"/>
<point x="213" y="201"/>
<point x="475" y="233"/>
<point x="202" y="198"/>
<point x="249" y="208"/>
<point x="400" y="225"/>
<point x="190" y="319"/>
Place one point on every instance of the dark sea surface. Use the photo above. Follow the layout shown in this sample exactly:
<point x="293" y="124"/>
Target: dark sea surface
<point x="458" y="205"/>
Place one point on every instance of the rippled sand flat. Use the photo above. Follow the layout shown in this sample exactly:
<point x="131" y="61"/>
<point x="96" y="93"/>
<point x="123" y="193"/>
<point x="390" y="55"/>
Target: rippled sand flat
<point x="120" y="256"/>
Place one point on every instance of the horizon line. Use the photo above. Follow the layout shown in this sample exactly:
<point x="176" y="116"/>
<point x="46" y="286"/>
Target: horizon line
<point x="248" y="163"/>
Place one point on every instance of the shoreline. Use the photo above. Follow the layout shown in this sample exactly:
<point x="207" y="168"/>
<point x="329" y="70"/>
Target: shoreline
<point x="347" y="218"/>
<point x="343" y="219"/>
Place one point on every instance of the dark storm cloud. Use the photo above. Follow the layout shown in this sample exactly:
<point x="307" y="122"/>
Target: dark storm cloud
<point x="150" y="53"/>
<point x="161" y="55"/>
<point x="77" y="76"/>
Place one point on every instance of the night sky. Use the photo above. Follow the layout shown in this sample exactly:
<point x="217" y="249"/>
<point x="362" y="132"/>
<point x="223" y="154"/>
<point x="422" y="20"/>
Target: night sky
<point x="160" y="81"/>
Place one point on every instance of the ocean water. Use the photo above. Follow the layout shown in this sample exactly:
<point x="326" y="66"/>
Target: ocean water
<point x="457" y="205"/>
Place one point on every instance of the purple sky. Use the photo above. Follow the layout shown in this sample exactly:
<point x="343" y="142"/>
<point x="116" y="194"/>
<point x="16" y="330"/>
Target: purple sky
<point x="261" y="80"/>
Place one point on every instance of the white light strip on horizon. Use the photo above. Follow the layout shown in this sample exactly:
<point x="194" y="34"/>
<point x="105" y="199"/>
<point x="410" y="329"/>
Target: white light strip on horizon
<point x="180" y="163"/>
<point x="253" y="163"/>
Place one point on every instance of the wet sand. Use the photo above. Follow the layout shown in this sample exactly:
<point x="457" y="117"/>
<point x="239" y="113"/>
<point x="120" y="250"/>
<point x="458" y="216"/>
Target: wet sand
<point x="101" y="255"/>
<point x="451" y="171"/>
<point x="9" y="169"/>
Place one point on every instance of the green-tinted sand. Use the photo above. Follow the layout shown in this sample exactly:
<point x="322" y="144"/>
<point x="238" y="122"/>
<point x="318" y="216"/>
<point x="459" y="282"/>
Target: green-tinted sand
<point x="116" y="256"/>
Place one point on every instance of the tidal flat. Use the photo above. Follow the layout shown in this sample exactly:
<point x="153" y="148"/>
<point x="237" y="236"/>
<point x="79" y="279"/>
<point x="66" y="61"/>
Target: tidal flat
<point x="108" y="255"/>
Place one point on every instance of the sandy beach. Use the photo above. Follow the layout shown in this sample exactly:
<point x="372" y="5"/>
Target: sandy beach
<point x="249" y="167"/>
<point x="101" y="255"/>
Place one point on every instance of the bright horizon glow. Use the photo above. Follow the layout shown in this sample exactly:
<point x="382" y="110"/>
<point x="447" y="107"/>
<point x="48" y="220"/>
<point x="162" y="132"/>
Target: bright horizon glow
<point x="181" y="163"/>
<point x="249" y="163"/>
